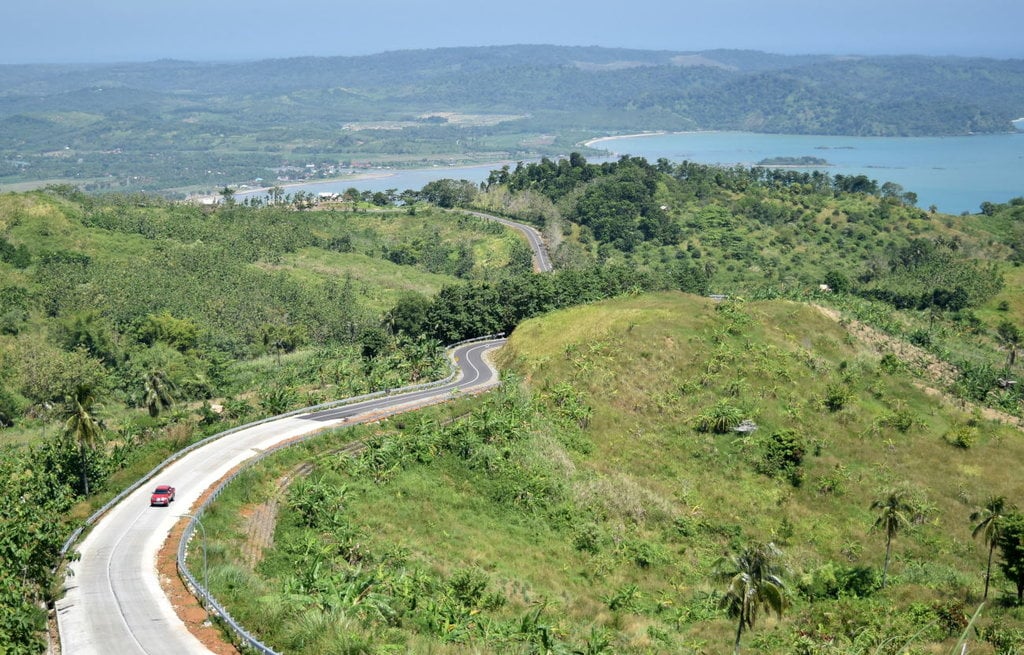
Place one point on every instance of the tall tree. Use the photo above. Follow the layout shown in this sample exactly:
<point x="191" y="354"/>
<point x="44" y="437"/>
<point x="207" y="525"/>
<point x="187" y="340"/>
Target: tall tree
<point x="227" y="195"/>
<point x="83" y="425"/>
<point x="158" y="391"/>
<point x="893" y="512"/>
<point x="754" y="582"/>
<point x="1009" y="337"/>
<point x="33" y="505"/>
<point x="276" y="194"/>
<point x="989" y="524"/>
<point x="1011" y="546"/>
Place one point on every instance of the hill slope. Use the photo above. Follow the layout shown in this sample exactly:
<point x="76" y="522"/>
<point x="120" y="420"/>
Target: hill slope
<point x="586" y="506"/>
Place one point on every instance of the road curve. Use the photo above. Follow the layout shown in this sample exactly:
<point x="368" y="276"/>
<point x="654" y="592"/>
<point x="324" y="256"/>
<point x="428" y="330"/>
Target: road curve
<point x="113" y="603"/>
<point x="541" y="260"/>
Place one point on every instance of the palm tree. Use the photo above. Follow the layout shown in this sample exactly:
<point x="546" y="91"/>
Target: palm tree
<point x="228" y="196"/>
<point x="754" y="583"/>
<point x="82" y="425"/>
<point x="158" y="392"/>
<point x="989" y="523"/>
<point x="1009" y="337"/>
<point x="893" y="512"/>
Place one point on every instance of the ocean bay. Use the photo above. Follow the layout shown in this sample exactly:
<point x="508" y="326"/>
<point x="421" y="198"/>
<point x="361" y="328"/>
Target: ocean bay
<point x="956" y="173"/>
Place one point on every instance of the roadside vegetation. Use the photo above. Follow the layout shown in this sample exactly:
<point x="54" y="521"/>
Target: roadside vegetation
<point x="131" y="327"/>
<point x="653" y="450"/>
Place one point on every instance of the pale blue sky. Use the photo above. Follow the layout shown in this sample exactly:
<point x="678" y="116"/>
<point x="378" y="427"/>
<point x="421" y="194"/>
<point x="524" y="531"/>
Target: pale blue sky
<point x="37" y="31"/>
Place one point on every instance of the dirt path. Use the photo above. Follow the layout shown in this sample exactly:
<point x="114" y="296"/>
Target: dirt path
<point x="938" y="372"/>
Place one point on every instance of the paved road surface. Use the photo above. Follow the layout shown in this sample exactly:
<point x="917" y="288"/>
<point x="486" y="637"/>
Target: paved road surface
<point x="113" y="602"/>
<point x="541" y="261"/>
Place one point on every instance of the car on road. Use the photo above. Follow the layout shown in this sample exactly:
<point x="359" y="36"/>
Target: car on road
<point x="162" y="496"/>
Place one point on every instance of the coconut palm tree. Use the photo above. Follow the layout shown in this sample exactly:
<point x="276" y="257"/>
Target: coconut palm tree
<point x="754" y="582"/>
<point x="989" y="523"/>
<point x="158" y="392"/>
<point x="893" y="516"/>
<point x="82" y="425"/>
<point x="1009" y="337"/>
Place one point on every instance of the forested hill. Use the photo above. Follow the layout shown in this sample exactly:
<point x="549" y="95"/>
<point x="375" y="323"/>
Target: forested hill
<point x="174" y="123"/>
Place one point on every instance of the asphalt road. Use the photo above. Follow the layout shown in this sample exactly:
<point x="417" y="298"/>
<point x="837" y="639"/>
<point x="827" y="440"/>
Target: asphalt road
<point x="541" y="261"/>
<point x="113" y="602"/>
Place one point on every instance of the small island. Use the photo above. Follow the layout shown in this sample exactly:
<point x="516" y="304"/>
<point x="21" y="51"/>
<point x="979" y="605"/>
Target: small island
<point x="793" y="161"/>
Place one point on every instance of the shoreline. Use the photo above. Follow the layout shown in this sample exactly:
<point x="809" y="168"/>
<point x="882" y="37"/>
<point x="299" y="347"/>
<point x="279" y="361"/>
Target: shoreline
<point x="356" y="177"/>
<point x="601" y="139"/>
<point x="292" y="185"/>
<point x="589" y="143"/>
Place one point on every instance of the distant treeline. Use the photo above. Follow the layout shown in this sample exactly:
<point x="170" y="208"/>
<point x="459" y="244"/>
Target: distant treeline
<point x="165" y="124"/>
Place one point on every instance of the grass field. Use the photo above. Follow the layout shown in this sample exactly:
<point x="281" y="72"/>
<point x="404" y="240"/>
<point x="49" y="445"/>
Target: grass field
<point x="591" y="500"/>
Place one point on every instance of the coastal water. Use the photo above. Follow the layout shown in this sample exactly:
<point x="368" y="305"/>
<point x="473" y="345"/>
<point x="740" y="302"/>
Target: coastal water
<point x="956" y="174"/>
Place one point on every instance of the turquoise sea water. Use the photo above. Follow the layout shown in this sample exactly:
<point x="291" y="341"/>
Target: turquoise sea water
<point x="956" y="174"/>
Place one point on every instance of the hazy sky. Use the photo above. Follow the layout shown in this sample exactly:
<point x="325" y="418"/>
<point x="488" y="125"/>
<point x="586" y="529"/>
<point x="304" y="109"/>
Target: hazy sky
<point x="37" y="31"/>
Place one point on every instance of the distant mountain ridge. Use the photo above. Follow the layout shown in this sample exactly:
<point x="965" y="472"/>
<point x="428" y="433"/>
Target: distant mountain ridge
<point x="170" y="75"/>
<point x="242" y="117"/>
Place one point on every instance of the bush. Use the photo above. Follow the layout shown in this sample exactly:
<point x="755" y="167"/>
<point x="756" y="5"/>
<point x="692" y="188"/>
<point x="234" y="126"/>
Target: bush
<point x="643" y="553"/>
<point x="900" y="418"/>
<point x="587" y="538"/>
<point x="833" y="580"/>
<point x="8" y="409"/>
<point x="891" y="364"/>
<point x="783" y="453"/>
<point x="719" y="419"/>
<point x="836" y="397"/>
<point x="277" y="399"/>
<point x="961" y="436"/>
<point x="921" y="338"/>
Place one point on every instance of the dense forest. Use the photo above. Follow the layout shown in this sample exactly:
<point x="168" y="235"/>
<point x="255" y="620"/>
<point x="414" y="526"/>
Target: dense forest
<point x="132" y="326"/>
<point x="165" y="125"/>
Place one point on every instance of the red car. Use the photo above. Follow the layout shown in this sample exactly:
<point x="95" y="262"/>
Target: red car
<point x="162" y="495"/>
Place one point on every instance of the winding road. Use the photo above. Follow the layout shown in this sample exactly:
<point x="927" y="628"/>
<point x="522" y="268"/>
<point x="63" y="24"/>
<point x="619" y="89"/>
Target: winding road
<point x="113" y="602"/>
<point x="541" y="260"/>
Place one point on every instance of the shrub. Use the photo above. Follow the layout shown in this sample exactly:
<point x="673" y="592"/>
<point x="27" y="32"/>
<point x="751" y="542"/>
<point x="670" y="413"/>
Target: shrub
<point x="836" y="397"/>
<point x="643" y="553"/>
<point x="833" y="482"/>
<point x="833" y="580"/>
<point x="720" y="418"/>
<point x="961" y="436"/>
<point x="1003" y="639"/>
<point x="900" y="418"/>
<point x="783" y="453"/>
<point x="277" y="399"/>
<point x="8" y="409"/>
<point x="587" y="538"/>
<point x="891" y="364"/>
<point x="920" y="337"/>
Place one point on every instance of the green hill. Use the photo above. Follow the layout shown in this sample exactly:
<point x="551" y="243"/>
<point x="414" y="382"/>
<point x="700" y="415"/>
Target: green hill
<point x="585" y="507"/>
<point x="131" y="326"/>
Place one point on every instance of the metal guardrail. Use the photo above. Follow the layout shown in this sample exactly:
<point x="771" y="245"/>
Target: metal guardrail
<point x="305" y="410"/>
<point x="200" y="591"/>
<point x="203" y="593"/>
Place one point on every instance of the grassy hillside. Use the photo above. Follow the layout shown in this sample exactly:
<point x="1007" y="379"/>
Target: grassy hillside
<point x="587" y="507"/>
<point x="120" y="285"/>
<point x="131" y="327"/>
<point x="151" y="324"/>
